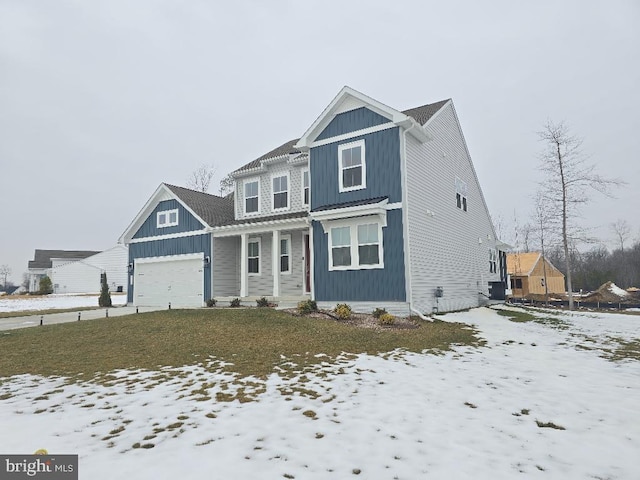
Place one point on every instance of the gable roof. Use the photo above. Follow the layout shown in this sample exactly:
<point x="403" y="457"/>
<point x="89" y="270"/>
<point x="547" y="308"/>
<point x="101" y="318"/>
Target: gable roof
<point x="42" y="258"/>
<point x="214" y="210"/>
<point x="420" y="114"/>
<point x="523" y="264"/>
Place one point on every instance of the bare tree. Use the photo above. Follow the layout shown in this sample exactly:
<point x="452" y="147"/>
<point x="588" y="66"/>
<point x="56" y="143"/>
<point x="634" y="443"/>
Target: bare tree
<point x="227" y="185"/>
<point x="544" y="220"/>
<point x="568" y="179"/>
<point x="622" y="231"/>
<point x="200" y="178"/>
<point x="5" y="271"/>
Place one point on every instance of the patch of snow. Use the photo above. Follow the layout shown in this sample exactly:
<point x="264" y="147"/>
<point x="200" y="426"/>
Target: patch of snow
<point x="467" y="414"/>
<point x="53" y="301"/>
<point x="616" y="290"/>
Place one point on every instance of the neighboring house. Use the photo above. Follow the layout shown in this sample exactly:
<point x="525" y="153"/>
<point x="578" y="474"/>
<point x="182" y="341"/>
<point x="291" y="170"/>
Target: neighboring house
<point x="44" y="260"/>
<point x="73" y="271"/>
<point x="371" y="206"/>
<point x="528" y="272"/>
<point x="83" y="276"/>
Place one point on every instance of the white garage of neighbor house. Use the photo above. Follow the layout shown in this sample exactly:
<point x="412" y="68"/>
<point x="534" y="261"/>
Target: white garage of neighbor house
<point x="83" y="276"/>
<point x="74" y="271"/>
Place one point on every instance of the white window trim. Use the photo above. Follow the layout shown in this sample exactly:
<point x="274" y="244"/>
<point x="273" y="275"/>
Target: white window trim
<point x="288" y="239"/>
<point x="305" y="170"/>
<point x="283" y="209"/>
<point x="244" y="197"/>
<point x="353" y="236"/>
<point x="167" y="213"/>
<point x="257" y="240"/>
<point x="345" y="146"/>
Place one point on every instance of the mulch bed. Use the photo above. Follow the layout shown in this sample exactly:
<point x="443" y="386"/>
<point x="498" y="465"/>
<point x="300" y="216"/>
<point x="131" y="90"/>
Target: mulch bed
<point x="361" y="320"/>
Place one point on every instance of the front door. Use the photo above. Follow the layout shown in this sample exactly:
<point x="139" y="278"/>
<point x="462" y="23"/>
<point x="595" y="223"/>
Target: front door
<point x="307" y="265"/>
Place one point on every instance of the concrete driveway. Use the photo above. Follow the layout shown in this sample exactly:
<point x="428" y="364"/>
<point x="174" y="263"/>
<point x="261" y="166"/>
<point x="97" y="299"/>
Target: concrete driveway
<point x="101" y="313"/>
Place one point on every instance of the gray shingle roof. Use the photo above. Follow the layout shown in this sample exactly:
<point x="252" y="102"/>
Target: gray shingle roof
<point x="212" y="209"/>
<point x="420" y="114"/>
<point x="284" y="149"/>
<point x="283" y="216"/>
<point x="356" y="203"/>
<point x="425" y="112"/>
<point x="42" y="258"/>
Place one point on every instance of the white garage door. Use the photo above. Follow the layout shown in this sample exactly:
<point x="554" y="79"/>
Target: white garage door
<point x="177" y="280"/>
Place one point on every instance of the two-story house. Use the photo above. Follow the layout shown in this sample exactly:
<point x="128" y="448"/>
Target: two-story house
<point x="371" y="206"/>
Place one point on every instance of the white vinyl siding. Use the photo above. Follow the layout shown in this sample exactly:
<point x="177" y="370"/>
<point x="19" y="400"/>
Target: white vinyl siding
<point x="83" y="276"/>
<point x="265" y="191"/>
<point x="445" y="248"/>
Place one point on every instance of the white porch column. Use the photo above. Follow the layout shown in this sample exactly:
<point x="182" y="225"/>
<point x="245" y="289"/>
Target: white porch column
<point x="275" y="255"/>
<point x="311" y="263"/>
<point x="243" y="265"/>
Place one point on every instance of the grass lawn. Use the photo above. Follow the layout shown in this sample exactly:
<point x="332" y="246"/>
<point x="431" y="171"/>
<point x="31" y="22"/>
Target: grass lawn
<point x="255" y="341"/>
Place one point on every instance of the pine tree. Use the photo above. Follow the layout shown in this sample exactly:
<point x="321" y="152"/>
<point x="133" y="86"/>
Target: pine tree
<point x="105" y="296"/>
<point x="45" y="286"/>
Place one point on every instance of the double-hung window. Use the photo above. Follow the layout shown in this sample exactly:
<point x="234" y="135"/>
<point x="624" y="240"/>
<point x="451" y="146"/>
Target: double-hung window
<point x="352" y="166"/>
<point x="341" y="247"/>
<point x="368" y="244"/>
<point x="167" y="218"/>
<point x="253" y="255"/>
<point x="251" y="196"/>
<point x="285" y="254"/>
<point x="281" y="192"/>
<point x="355" y="246"/>
<point x="305" y="187"/>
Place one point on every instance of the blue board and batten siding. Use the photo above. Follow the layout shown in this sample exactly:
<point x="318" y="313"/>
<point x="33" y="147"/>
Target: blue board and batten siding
<point x="351" y="121"/>
<point x="186" y="221"/>
<point x="197" y="243"/>
<point x="383" y="284"/>
<point x="382" y="161"/>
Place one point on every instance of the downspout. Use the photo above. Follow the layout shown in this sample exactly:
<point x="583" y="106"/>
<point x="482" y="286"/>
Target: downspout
<point x="405" y="207"/>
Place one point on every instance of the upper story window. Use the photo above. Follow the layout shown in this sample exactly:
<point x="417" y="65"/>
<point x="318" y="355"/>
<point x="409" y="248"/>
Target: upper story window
<point x="281" y="192"/>
<point x="355" y="246"/>
<point x="352" y="166"/>
<point x="251" y="196"/>
<point x="461" y="194"/>
<point x="305" y="187"/>
<point x="167" y="218"/>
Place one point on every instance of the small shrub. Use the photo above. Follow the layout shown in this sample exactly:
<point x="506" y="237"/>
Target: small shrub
<point x="46" y="287"/>
<point x="211" y="302"/>
<point x="343" y="311"/>
<point x="105" y="296"/>
<point x="307" y="306"/>
<point x="378" y="312"/>
<point x="235" y="302"/>
<point x="262" y="302"/>
<point x="386" y="319"/>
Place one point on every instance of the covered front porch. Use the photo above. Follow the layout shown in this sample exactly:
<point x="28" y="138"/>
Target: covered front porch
<point x="263" y="259"/>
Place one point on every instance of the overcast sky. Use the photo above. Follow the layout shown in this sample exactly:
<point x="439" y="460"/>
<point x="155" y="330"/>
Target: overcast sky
<point x="101" y="101"/>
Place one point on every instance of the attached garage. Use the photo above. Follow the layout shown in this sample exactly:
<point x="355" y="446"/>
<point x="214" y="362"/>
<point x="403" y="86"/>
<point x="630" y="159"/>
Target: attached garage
<point x="178" y="280"/>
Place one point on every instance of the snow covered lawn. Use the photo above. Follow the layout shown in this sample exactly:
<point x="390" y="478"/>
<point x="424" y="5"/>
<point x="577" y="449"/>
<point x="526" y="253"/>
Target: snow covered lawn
<point x="49" y="302"/>
<point x="540" y="400"/>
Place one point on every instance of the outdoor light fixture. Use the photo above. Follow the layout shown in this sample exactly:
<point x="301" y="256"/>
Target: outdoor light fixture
<point x="130" y="267"/>
<point x="206" y="261"/>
